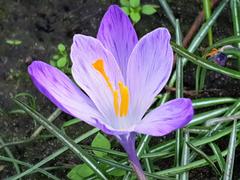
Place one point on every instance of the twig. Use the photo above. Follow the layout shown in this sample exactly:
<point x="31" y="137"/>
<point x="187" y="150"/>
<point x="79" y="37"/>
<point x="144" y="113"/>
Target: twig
<point x="195" y="26"/>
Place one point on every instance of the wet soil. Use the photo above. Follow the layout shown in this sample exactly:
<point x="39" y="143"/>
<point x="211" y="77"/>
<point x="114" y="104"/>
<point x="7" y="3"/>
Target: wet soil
<point x="41" y="25"/>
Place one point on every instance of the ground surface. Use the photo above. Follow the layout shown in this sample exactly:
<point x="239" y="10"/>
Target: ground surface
<point x="41" y="25"/>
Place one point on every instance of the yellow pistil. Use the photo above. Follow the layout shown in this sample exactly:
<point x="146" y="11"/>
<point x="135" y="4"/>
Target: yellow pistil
<point x="122" y="109"/>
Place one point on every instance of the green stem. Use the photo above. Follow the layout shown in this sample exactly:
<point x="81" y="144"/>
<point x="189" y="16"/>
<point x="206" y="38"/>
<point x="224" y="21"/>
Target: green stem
<point x="179" y="94"/>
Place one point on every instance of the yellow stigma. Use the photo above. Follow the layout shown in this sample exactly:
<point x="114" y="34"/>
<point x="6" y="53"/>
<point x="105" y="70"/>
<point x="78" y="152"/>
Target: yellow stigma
<point x="122" y="108"/>
<point x="124" y="99"/>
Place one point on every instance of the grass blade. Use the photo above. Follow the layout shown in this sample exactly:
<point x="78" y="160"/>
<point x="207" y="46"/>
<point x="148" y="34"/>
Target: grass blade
<point x="204" y="63"/>
<point x="59" y="152"/>
<point x="179" y="94"/>
<point x="207" y="14"/>
<point x="206" y="102"/>
<point x="185" y="156"/>
<point x="228" y="172"/>
<point x="223" y="42"/>
<point x="127" y="168"/>
<point x="51" y="118"/>
<point x="63" y="138"/>
<point x="220" y="159"/>
<point x="148" y="164"/>
<point x="235" y="9"/>
<point x="168" y="12"/>
<point x="104" y="150"/>
<point x="49" y="175"/>
<point x="201" y="153"/>
<point x="10" y="155"/>
<point x="203" y="117"/>
<point x="190" y="166"/>
<point x="197" y="79"/>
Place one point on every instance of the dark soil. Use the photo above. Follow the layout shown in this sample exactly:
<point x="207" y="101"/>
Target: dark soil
<point x="41" y="25"/>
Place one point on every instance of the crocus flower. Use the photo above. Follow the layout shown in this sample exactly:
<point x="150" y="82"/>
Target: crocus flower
<point x="119" y="78"/>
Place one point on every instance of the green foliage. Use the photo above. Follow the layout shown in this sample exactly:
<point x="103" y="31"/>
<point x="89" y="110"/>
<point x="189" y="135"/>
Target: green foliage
<point x="135" y="16"/>
<point x="70" y="122"/>
<point x="117" y="173"/>
<point x="101" y="141"/>
<point x="14" y="42"/>
<point x="79" y="172"/>
<point x="134" y="9"/>
<point x="61" y="59"/>
<point x="82" y="171"/>
<point x="134" y="3"/>
<point x="148" y="9"/>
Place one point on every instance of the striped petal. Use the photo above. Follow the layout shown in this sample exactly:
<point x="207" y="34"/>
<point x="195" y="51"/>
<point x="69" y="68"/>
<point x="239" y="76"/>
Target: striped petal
<point x="166" y="118"/>
<point x="117" y="34"/>
<point x="149" y="68"/>
<point x="63" y="92"/>
<point x="85" y="51"/>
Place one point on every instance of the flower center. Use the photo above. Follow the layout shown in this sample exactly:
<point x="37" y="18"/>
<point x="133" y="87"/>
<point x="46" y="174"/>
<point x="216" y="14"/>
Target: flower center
<point x="122" y="108"/>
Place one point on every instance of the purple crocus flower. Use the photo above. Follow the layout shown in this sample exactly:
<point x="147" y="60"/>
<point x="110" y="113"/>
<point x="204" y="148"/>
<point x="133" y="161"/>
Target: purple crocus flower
<point x="119" y="77"/>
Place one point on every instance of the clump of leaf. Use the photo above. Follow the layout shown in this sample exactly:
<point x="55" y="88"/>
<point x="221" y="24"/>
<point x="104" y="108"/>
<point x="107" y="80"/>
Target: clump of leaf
<point x="13" y="42"/>
<point x="82" y="171"/>
<point x="61" y="59"/>
<point x="134" y="9"/>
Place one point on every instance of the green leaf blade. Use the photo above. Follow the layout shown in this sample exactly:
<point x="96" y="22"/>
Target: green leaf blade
<point x="134" y="3"/>
<point x="148" y="9"/>
<point x="101" y="141"/>
<point x="80" y="171"/>
<point x="135" y="16"/>
<point x="61" y="62"/>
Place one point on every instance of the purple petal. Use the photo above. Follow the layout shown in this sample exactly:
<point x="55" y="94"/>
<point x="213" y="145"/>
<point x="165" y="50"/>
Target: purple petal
<point x="68" y="97"/>
<point x="149" y="68"/>
<point x="166" y="118"/>
<point x="117" y="34"/>
<point x="85" y="51"/>
<point x="62" y="92"/>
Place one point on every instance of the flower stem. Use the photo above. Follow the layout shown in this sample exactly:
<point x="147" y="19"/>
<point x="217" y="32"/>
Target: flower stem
<point x="128" y="143"/>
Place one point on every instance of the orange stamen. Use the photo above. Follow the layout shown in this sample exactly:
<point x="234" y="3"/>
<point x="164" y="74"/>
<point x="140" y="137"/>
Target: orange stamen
<point x="115" y="102"/>
<point x="213" y="52"/>
<point x="124" y="99"/>
<point x="121" y="110"/>
<point x="99" y="66"/>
